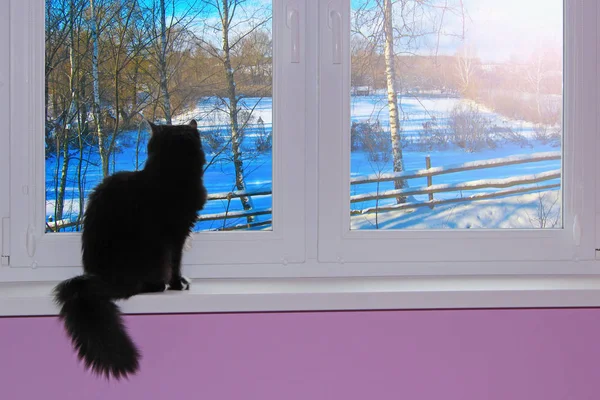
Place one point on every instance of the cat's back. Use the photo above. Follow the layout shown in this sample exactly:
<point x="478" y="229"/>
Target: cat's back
<point x="116" y="197"/>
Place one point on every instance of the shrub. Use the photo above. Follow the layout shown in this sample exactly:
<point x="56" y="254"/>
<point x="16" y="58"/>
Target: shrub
<point x="547" y="134"/>
<point x="471" y="130"/>
<point x="433" y="135"/>
<point x="264" y="139"/>
<point x="371" y="138"/>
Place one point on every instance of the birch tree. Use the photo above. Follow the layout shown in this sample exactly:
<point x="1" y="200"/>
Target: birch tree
<point x="65" y="93"/>
<point x="392" y="95"/>
<point x="536" y="71"/>
<point x="399" y="27"/>
<point x="466" y="68"/>
<point x="170" y="24"/>
<point x="94" y="33"/>
<point x="235" y="23"/>
<point x="163" y="63"/>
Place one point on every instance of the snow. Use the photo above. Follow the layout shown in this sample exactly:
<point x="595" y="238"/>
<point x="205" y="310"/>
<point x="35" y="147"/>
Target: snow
<point x="529" y="211"/>
<point x="480" y="164"/>
<point x="464" y="186"/>
<point x="511" y="212"/>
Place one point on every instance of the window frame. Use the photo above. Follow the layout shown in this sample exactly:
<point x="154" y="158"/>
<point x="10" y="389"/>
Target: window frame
<point x="31" y="247"/>
<point x="4" y="141"/>
<point x="332" y="283"/>
<point x="448" y="251"/>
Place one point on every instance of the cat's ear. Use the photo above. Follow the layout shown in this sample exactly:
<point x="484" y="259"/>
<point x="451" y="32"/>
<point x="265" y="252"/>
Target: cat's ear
<point x="194" y="124"/>
<point x="153" y="128"/>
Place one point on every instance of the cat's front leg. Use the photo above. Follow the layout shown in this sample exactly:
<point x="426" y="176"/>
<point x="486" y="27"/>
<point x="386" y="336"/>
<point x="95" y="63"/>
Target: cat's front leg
<point x="178" y="281"/>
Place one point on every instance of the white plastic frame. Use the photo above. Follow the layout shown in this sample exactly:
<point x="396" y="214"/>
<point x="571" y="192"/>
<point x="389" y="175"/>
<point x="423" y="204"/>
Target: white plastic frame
<point x="31" y="248"/>
<point x="307" y="243"/>
<point x="465" y="251"/>
<point x="4" y="138"/>
<point x="340" y="284"/>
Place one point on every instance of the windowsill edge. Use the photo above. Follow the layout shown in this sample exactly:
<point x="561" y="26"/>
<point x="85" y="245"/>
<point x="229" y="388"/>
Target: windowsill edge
<point x="333" y="294"/>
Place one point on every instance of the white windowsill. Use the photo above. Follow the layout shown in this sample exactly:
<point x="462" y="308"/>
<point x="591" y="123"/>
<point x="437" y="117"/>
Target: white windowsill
<point x="321" y="294"/>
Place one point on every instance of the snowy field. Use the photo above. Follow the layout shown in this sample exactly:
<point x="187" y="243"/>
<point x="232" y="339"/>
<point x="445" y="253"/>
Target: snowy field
<point x="534" y="210"/>
<point x="521" y="211"/>
<point x="219" y="177"/>
<point x="526" y="211"/>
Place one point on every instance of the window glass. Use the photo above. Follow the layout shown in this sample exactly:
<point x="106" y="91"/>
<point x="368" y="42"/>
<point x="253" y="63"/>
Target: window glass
<point x="456" y="114"/>
<point x="112" y="64"/>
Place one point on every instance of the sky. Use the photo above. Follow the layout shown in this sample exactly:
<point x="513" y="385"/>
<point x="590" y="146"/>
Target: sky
<point x="496" y="29"/>
<point x="501" y="29"/>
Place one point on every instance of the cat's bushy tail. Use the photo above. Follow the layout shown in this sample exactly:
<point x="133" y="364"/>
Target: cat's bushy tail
<point x="94" y="323"/>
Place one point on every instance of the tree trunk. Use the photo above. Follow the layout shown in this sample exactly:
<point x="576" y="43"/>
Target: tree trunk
<point x="538" y="87"/>
<point x="390" y="72"/>
<point x="233" y="114"/>
<point x="137" y="147"/>
<point x="162" y="61"/>
<point x="134" y="89"/>
<point x="69" y="118"/>
<point x="81" y="133"/>
<point x="60" y="195"/>
<point x="113" y="142"/>
<point x="48" y="68"/>
<point x="96" y="90"/>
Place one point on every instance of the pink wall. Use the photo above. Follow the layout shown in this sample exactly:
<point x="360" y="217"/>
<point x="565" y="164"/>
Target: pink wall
<point x="412" y="355"/>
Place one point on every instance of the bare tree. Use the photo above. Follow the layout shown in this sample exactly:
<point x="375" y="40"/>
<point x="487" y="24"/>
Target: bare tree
<point x="235" y="23"/>
<point x="94" y="33"/>
<point x="466" y="68"/>
<point x="110" y="61"/>
<point x="67" y="44"/>
<point x="67" y="115"/>
<point x="539" y="71"/>
<point x="392" y="96"/>
<point x="163" y="62"/>
<point x="123" y="47"/>
<point x="399" y="27"/>
<point x="170" y="25"/>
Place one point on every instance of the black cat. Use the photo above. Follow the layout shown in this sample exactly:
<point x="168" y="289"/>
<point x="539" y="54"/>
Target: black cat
<point x="134" y="229"/>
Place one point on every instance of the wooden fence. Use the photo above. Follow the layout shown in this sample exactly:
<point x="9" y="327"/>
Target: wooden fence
<point x="229" y="215"/>
<point x="52" y="226"/>
<point x="527" y="183"/>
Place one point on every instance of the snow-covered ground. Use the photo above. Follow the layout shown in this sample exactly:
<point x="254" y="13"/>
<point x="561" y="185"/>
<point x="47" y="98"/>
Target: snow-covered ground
<point x="526" y="211"/>
<point x="532" y="210"/>
<point x="520" y="211"/>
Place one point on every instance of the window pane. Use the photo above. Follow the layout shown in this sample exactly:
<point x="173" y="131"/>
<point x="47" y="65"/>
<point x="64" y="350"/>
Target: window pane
<point x="112" y="63"/>
<point x="462" y="100"/>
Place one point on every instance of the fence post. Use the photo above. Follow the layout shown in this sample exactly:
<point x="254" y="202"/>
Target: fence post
<point x="429" y="178"/>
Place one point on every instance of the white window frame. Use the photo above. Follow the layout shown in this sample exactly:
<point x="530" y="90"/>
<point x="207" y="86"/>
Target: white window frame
<point x="473" y="251"/>
<point x="31" y="247"/>
<point x="324" y="271"/>
<point x="4" y="140"/>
